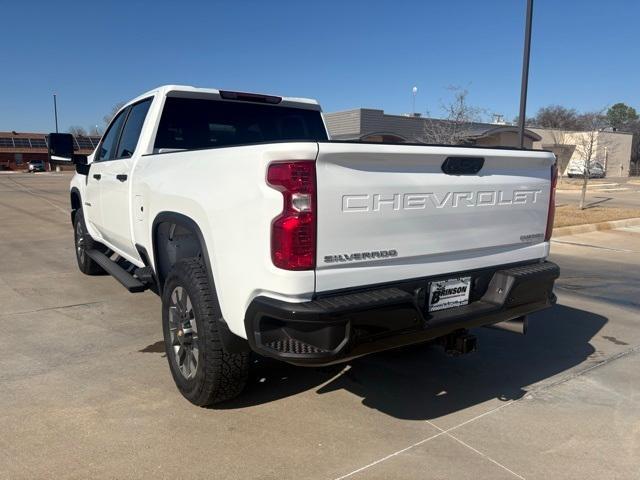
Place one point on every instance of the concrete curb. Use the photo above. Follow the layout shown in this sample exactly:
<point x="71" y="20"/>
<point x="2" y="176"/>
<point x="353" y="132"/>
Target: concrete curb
<point x="594" y="227"/>
<point x="593" y="188"/>
<point x="589" y="190"/>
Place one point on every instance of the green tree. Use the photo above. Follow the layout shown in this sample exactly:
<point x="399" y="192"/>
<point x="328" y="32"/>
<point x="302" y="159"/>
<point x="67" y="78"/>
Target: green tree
<point x="621" y="116"/>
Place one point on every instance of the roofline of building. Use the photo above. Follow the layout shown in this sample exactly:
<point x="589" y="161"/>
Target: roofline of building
<point x="492" y="128"/>
<point x="354" y="136"/>
<point x="508" y="128"/>
<point x="13" y="134"/>
<point x="577" y="131"/>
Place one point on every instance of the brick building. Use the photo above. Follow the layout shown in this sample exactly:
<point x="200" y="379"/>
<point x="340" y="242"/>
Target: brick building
<point x="17" y="149"/>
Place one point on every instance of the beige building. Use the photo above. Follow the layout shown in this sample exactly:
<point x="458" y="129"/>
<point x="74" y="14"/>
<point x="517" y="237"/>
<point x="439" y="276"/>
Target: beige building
<point x="611" y="149"/>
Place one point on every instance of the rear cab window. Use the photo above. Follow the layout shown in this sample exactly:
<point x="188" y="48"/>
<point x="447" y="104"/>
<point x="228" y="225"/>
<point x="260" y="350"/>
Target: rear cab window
<point x="189" y="123"/>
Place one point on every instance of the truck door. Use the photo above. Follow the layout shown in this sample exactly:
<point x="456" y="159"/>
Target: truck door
<point x="105" y="153"/>
<point x="115" y="184"/>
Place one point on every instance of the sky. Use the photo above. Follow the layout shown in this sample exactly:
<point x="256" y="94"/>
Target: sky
<point x="346" y="54"/>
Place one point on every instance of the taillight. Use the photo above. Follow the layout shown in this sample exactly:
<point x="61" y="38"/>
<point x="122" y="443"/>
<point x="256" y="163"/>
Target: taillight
<point x="552" y="203"/>
<point x="293" y="232"/>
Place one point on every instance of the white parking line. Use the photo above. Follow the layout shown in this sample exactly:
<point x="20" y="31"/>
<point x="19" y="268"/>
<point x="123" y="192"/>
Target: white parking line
<point x="476" y="451"/>
<point x="442" y="432"/>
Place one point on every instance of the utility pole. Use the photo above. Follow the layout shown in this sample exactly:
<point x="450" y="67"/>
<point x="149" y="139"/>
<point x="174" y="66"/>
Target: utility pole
<point x="55" y="111"/>
<point x="525" y="72"/>
<point x="414" y="92"/>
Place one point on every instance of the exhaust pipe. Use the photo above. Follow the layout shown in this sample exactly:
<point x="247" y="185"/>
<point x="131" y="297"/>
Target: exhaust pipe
<point x="516" y="325"/>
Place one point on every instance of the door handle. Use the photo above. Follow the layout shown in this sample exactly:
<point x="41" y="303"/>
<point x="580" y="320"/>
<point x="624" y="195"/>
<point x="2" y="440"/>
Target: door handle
<point x="122" y="177"/>
<point x="97" y="176"/>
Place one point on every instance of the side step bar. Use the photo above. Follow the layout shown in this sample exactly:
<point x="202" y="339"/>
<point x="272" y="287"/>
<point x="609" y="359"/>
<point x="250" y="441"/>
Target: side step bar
<point x="116" y="271"/>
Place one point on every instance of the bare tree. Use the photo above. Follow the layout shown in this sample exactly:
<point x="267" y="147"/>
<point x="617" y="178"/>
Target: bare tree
<point x="563" y="146"/>
<point x="95" y="131"/>
<point x="588" y="144"/>
<point x="453" y="128"/>
<point x="557" y="117"/>
<point x="77" y="131"/>
<point x="107" y="118"/>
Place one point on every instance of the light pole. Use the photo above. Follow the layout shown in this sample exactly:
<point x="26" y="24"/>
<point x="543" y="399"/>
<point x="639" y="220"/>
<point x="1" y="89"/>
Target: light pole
<point x="525" y="72"/>
<point x="414" y="92"/>
<point x="55" y="111"/>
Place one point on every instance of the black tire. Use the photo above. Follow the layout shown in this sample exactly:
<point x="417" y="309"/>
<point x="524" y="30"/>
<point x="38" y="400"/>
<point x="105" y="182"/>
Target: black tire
<point x="217" y="375"/>
<point x="84" y="242"/>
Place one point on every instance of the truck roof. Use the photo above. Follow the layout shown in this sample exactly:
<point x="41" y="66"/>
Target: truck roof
<point x="195" y="92"/>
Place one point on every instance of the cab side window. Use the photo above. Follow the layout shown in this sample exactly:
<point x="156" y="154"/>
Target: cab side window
<point x="107" y="149"/>
<point x="132" y="129"/>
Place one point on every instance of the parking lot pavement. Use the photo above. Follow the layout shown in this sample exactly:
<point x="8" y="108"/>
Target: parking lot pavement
<point x="615" y="193"/>
<point x="85" y="390"/>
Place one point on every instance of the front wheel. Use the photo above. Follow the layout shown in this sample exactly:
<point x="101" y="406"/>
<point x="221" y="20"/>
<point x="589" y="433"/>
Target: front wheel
<point x="84" y="242"/>
<point x="203" y="372"/>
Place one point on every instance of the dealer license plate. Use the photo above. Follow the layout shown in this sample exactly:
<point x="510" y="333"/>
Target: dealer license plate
<point x="450" y="293"/>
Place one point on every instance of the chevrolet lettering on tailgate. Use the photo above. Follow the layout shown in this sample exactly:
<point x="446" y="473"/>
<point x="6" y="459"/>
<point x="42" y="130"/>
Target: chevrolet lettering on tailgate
<point x="419" y="201"/>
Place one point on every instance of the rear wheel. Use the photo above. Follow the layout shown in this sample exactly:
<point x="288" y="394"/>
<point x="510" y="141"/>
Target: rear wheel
<point x="203" y="372"/>
<point x="84" y="242"/>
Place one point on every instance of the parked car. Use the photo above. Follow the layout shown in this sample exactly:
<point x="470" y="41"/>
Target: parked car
<point x="577" y="169"/>
<point x="36" y="166"/>
<point x="260" y="234"/>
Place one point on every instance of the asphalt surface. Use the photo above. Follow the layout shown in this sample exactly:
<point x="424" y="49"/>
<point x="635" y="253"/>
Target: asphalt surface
<point x="85" y="390"/>
<point x="614" y="192"/>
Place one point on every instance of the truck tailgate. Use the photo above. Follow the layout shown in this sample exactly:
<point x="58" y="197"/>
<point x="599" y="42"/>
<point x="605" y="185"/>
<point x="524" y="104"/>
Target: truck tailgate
<point x="388" y="212"/>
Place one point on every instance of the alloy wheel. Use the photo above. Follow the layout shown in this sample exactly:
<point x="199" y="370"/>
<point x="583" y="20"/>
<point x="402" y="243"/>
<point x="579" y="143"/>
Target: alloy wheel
<point x="80" y="242"/>
<point x="183" y="332"/>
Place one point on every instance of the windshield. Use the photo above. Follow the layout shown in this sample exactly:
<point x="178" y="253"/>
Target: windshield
<point x="188" y="123"/>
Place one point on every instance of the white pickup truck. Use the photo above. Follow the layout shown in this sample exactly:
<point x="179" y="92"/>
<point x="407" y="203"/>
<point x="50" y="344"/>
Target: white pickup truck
<point x="262" y="235"/>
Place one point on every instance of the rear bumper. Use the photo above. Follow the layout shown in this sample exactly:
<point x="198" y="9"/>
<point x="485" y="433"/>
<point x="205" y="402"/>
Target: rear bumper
<point x="339" y="327"/>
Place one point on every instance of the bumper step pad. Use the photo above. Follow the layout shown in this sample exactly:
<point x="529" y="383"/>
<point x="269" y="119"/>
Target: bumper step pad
<point x="291" y="345"/>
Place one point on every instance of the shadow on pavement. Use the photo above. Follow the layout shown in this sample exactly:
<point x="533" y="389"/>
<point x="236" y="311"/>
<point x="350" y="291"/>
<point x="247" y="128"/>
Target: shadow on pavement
<point x="421" y="382"/>
<point x="595" y="203"/>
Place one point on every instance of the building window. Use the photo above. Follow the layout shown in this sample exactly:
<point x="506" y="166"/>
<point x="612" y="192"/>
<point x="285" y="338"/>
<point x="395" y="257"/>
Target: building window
<point x="21" y="143"/>
<point x="18" y="158"/>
